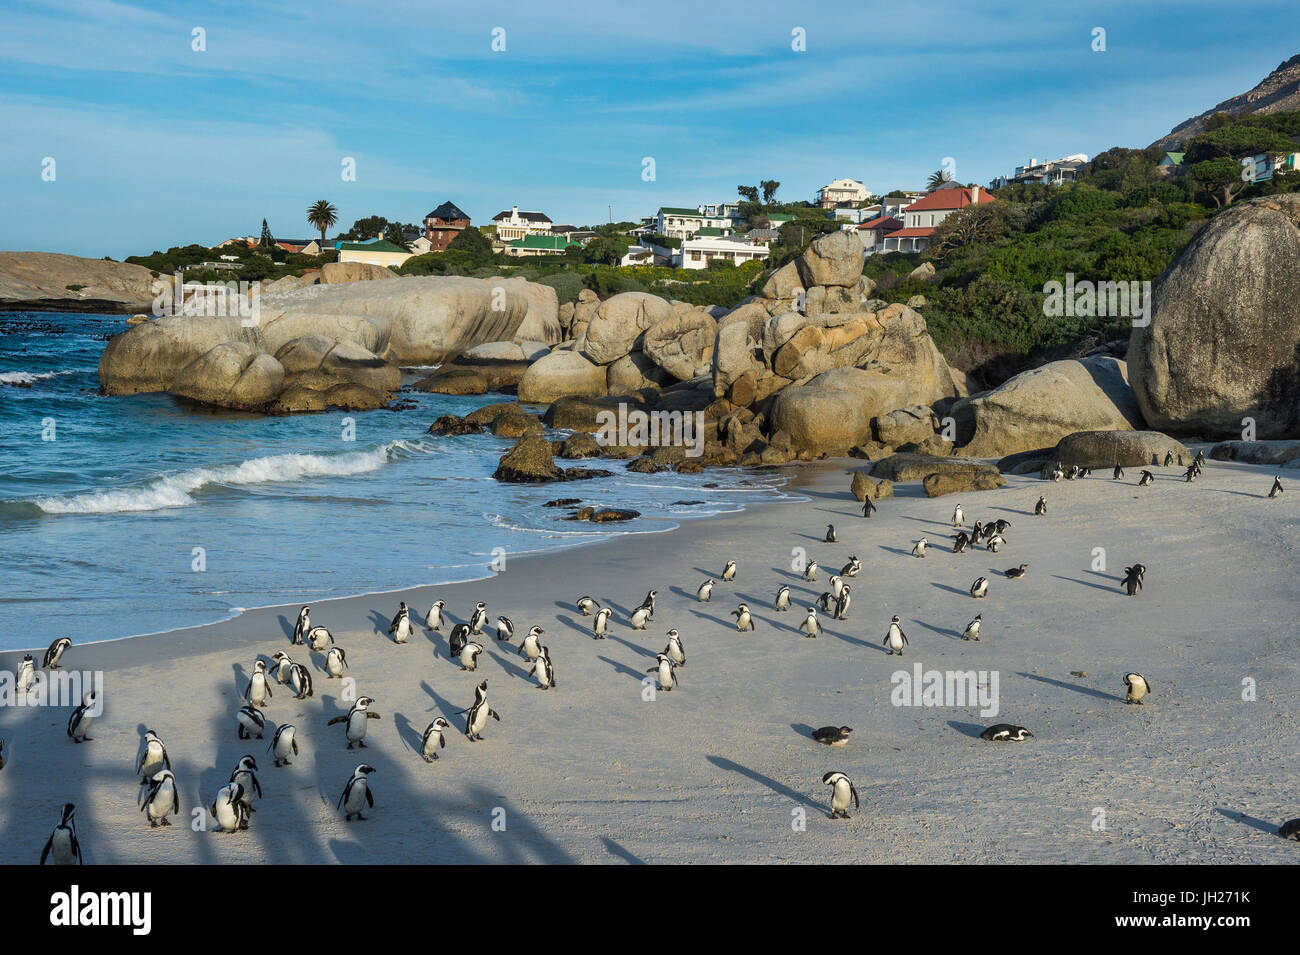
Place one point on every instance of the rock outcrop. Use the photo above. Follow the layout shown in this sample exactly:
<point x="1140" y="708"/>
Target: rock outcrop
<point x="1131" y="449"/>
<point x="231" y="375"/>
<point x="561" y="374"/>
<point x="336" y="273"/>
<point x="50" y="280"/>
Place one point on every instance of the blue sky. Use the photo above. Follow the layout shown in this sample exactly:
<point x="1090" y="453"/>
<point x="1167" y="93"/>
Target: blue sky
<point x="156" y="144"/>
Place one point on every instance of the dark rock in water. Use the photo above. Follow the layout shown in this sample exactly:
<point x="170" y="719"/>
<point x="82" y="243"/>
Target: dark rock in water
<point x="581" y="445"/>
<point x="604" y="516"/>
<point x="488" y="413"/>
<point x="563" y="502"/>
<point x="453" y="381"/>
<point x="646" y="466"/>
<point x="689" y="466"/>
<point x="528" y="462"/>
<point x="403" y="406"/>
<point x="583" y="474"/>
<point x="684" y="503"/>
<point x="453" y="424"/>
<point x="582" y="515"/>
<point x="514" y="424"/>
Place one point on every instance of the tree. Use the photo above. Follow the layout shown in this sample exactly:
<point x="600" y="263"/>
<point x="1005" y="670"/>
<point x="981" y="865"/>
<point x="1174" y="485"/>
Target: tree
<point x="267" y="242"/>
<point x="938" y="178"/>
<point x="769" y="186"/>
<point x="1234" y="142"/>
<point x="471" y="240"/>
<point x="748" y="192"/>
<point x="1220" y="178"/>
<point x="603" y="251"/>
<point x="395" y="233"/>
<point x="323" y="216"/>
<point x="977" y="223"/>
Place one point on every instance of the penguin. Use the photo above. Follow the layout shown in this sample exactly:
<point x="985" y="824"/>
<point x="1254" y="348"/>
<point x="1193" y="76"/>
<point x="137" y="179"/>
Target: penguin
<point x="666" y="670"/>
<point x="1075" y="473"/>
<point x="479" y="618"/>
<point x="832" y="735"/>
<point x="1006" y="733"/>
<point x="1276" y="489"/>
<point x="1000" y="525"/>
<point x="1191" y="474"/>
<point x="977" y="531"/>
<point x="80" y="720"/>
<point x="251" y="722"/>
<point x="587" y="606"/>
<point x="459" y="637"/>
<point x="639" y="618"/>
<point x="958" y="518"/>
<point x="825" y="601"/>
<point x="842" y="604"/>
<point x="744" y="620"/>
<point x="25" y="676"/>
<point x="1146" y="478"/>
<point x="1015" y="573"/>
<point x="320" y="639"/>
<point x="675" y="651"/>
<point x="811" y="626"/>
<point x="972" y="631"/>
<point x="810" y="572"/>
<point x="281" y="664"/>
<point x="433" y="739"/>
<point x="1290" y="830"/>
<point x="1169" y="459"/>
<point x="59" y="646"/>
<point x="531" y="645"/>
<point x="1085" y="472"/>
<point x="994" y="543"/>
<point x="336" y="661"/>
<point x="918" y="549"/>
<point x="356" y="794"/>
<point x="161" y="800"/>
<point x="837" y="584"/>
<point x="469" y="656"/>
<point x="649" y="602"/>
<point x="433" y="619"/>
<point x="400" y="629"/>
<point x="843" y="793"/>
<point x="1133" y="578"/>
<point x="782" y="602"/>
<point x="729" y="572"/>
<point x="1199" y="459"/>
<point x="543" y="670"/>
<point x="505" y="629"/>
<point x="301" y="626"/>
<point x="1057" y="474"/>
<point x="830" y="534"/>
<point x="356" y="719"/>
<point x="1137" y="686"/>
<point x="600" y="626"/>
<point x="867" y="507"/>
<point x="258" y="690"/>
<point x="245" y="775"/>
<point x="980" y="588"/>
<point x="300" y="681"/>
<point x="285" y="744"/>
<point x="960" y="543"/>
<point x="476" y="716"/>
<point x="895" y="639"/>
<point x="153" y="758"/>
<point x="1119" y="472"/>
<point x="62" y="844"/>
<point x="852" y="568"/>
<point x="705" y="593"/>
<point x="228" y="808"/>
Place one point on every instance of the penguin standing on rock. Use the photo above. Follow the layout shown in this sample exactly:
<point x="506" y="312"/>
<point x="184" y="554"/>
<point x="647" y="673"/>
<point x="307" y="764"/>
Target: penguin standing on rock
<point x="744" y="620"/>
<point x="810" y="626"/>
<point x="895" y="639"/>
<point x="843" y="793"/>
<point x="356" y="796"/>
<point x="600" y="626"/>
<point x="782" y="602"/>
<point x="59" y="646"/>
<point x="62" y="845"/>
<point x="830" y="534"/>
<point x="1137" y="686"/>
<point x="705" y="593"/>
<point x="400" y="629"/>
<point x="161" y="800"/>
<point x="1040" y="509"/>
<point x="301" y="626"/>
<point x="1133" y="578"/>
<point x="356" y="719"/>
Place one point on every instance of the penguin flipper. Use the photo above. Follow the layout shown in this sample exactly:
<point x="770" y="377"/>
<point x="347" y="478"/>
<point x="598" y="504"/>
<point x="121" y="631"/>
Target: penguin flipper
<point x="370" y="798"/>
<point x="337" y="719"/>
<point x="49" y="844"/>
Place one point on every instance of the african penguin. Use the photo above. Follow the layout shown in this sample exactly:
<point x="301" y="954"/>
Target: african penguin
<point x="867" y="506"/>
<point x="1118" y="473"/>
<point x="80" y="720"/>
<point x="458" y="638"/>
<point x="251" y="722"/>
<point x="842" y="603"/>
<point x="1147" y="478"/>
<point x="245" y="774"/>
<point x="729" y="571"/>
<point x="476" y="716"/>
<point x="675" y="651"/>
<point x="810" y="572"/>
<point x="1276" y="488"/>
<point x="300" y="681"/>
<point x="320" y="639"/>
<point x="433" y="619"/>
<point x="505" y="629"/>
<point x="433" y="739"/>
<point x="705" y="593"/>
<point x="161" y="800"/>
<point x="1137" y="686"/>
<point x="356" y="795"/>
<point x="356" y="719"/>
<point x="960" y="543"/>
<point x="258" y="690"/>
<point x="1015" y="573"/>
<point x="666" y="671"/>
<point x="543" y="670"/>
<point x="285" y="744"/>
<point x="153" y="758"/>
<point x="531" y="645"/>
<point x="228" y="808"/>
<point x="972" y="631"/>
<point x="782" y="602"/>
<point x="400" y="629"/>
<point x="587" y="606"/>
<point x="336" y="661"/>
<point x="479" y="618"/>
<point x="811" y="626"/>
<point x="980" y="588"/>
<point x="1040" y="509"/>
<point x="1133" y="578"/>
<point x="62" y="845"/>
<point x="26" y="675"/>
<point x="600" y="626"/>
<point x="640" y="616"/>
<point x="832" y="735"/>
<point x="301" y="626"/>
<point x="852" y="568"/>
<point x="830" y="534"/>
<point x="918" y="549"/>
<point x="843" y="793"/>
<point x="281" y="664"/>
<point x="57" y="648"/>
<point x="469" y="656"/>
<point x="895" y="639"/>
<point x="744" y="620"/>
<point x="958" y="518"/>
<point x="994" y="543"/>
<point x="1006" y="733"/>
<point x="1290" y="829"/>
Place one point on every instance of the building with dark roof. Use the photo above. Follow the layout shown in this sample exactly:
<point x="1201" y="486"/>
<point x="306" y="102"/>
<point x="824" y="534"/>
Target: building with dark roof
<point x="443" y="224"/>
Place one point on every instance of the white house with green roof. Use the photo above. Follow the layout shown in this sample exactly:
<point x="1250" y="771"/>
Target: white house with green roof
<point x="540" y="245"/>
<point x="684" y="222"/>
<point x="697" y="253"/>
<point x="373" y="252"/>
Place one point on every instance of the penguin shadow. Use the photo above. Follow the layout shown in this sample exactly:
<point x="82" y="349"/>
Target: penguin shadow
<point x="508" y="665"/>
<point x="942" y="631"/>
<point x="896" y="550"/>
<point x="242" y="680"/>
<point x="972" y="730"/>
<point x="446" y="708"/>
<point x="614" y="849"/>
<point x="1087" y="583"/>
<point x="380" y="623"/>
<point x="937" y="525"/>
<point x="729" y="623"/>
<point x="574" y="625"/>
<point x="952" y="590"/>
<point x="779" y="788"/>
<point x="286" y="625"/>
<point x="1076" y="687"/>
<point x="527" y="844"/>
<point x="865" y="644"/>
<point x="682" y="592"/>
<point x="803" y="729"/>
<point x="643" y="651"/>
<point x="619" y="609"/>
<point x="817" y="539"/>
<point x="408" y="733"/>
<point x="624" y="668"/>
<point x="1253" y="822"/>
<point x="714" y="575"/>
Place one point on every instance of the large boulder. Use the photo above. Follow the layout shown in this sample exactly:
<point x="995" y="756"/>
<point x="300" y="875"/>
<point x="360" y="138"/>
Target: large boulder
<point x="619" y="322"/>
<point x="833" y="411"/>
<point x="148" y="356"/>
<point x="962" y="481"/>
<point x="735" y="352"/>
<point x="902" y="466"/>
<point x="634" y="372"/>
<point x="904" y="425"/>
<point x="1038" y="408"/>
<point x="542" y="323"/>
<point x="530" y="461"/>
<point x="682" y="343"/>
<point x="336" y="273"/>
<point x="1131" y="449"/>
<point x="1257" y="452"/>
<point x="784" y="283"/>
<point x="317" y="362"/>
<point x="833" y="259"/>
<point x="559" y="374"/>
<point x="453" y="380"/>
<point x="231" y="375"/>
<point x="1223" y="339"/>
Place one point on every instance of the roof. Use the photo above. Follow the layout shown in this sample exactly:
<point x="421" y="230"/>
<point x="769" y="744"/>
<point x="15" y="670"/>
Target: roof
<point x="530" y="216"/>
<point x="780" y="217"/>
<point x="564" y="228"/>
<point x="555" y="243"/>
<point x="683" y="211"/>
<point x="448" y="212"/>
<point x="947" y="199"/>
<point x="882" y="222"/>
<point x="1176" y="158"/>
<point x="772" y="234"/>
<point x="712" y="231"/>
<point x="373" y="245"/>
<point x="911" y="233"/>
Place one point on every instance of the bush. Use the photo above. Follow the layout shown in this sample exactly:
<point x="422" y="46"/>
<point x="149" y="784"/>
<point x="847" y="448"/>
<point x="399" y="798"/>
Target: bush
<point x="567" y="285"/>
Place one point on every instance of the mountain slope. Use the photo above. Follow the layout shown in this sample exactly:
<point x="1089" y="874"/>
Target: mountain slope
<point x="1278" y="91"/>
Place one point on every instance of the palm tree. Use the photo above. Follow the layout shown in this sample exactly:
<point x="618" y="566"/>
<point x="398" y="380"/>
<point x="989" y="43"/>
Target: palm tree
<point x="323" y="216"/>
<point x="938" y="178"/>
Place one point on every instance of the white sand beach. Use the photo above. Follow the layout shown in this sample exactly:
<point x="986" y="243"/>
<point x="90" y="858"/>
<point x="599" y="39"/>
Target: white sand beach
<point x="716" y="770"/>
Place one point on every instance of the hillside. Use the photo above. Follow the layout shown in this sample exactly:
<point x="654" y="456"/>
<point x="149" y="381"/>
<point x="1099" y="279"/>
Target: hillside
<point x="1277" y="92"/>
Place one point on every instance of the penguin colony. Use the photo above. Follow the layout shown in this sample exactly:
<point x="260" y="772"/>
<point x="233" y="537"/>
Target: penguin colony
<point x="232" y="806"/>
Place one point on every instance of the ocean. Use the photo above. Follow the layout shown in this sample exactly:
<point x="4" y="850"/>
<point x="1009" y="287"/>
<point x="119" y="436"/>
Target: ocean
<point x="131" y="515"/>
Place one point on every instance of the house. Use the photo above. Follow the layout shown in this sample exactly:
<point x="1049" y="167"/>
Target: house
<point x="872" y="232"/>
<point x="893" y="206"/>
<point x="682" y="222"/>
<point x="638" y="255"/>
<point x="762" y="236"/>
<point x="842" y="191"/>
<point x="441" y="226"/>
<point x="373" y="252"/>
<point x="1171" y="159"/>
<point x="514" y="224"/>
<point x="922" y="216"/>
<point x="532" y="245"/>
<point x="1264" y="166"/>
<point x="1052" y="172"/>
<point x="855" y="215"/>
<point x="698" y="253"/>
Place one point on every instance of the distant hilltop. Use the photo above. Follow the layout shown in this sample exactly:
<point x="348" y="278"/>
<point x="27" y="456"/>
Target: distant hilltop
<point x="1276" y="93"/>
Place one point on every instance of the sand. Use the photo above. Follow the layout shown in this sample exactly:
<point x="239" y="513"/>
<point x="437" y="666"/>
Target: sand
<point x="722" y="769"/>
